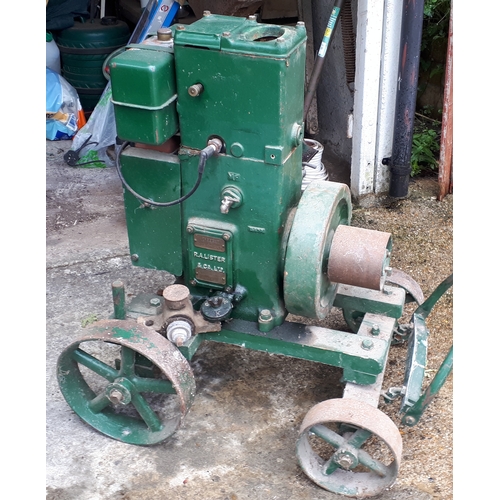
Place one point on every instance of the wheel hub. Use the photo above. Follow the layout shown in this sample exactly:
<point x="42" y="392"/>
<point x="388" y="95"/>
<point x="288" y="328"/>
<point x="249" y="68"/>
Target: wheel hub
<point x="345" y="459"/>
<point x="120" y="392"/>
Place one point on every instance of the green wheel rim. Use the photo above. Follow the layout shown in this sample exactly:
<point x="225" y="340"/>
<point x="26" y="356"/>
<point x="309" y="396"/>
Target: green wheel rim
<point x="323" y="207"/>
<point x="140" y="398"/>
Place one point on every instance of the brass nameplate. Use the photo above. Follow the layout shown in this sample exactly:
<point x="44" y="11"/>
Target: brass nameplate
<point x="210" y="276"/>
<point x="209" y="243"/>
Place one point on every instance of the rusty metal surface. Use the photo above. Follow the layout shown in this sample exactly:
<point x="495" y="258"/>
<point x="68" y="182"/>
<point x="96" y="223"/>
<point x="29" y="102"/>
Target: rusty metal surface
<point x="349" y="43"/>
<point x="176" y="297"/>
<point x="405" y="281"/>
<point x="209" y="243"/>
<point x="446" y="148"/>
<point x="362" y="416"/>
<point x="358" y="257"/>
<point x="178" y="308"/>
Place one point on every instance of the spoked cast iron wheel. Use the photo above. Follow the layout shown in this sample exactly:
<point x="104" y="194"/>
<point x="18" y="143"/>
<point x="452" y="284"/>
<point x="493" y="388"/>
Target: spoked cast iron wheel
<point x="127" y="381"/>
<point x="349" y="447"/>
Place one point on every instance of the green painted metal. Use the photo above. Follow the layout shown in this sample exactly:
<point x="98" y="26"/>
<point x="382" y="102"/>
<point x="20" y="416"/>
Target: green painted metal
<point x="414" y="402"/>
<point x="144" y="112"/>
<point x="154" y="233"/>
<point x="413" y="413"/>
<point x="390" y="301"/>
<point x="307" y="290"/>
<point x="321" y="345"/>
<point x="256" y="229"/>
<point x="119" y="308"/>
<point x="415" y="362"/>
<point x="253" y="86"/>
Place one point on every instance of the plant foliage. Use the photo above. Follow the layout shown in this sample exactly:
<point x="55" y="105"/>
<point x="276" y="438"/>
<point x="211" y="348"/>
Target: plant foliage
<point x="425" y="149"/>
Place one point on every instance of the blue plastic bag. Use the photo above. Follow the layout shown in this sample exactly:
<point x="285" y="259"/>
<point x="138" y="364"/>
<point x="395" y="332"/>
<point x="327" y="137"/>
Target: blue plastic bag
<point x="63" y="107"/>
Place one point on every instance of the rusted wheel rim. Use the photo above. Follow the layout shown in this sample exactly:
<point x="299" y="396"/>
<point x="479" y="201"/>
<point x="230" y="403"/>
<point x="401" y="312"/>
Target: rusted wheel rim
<point x="141" y="400"/>
<point x="349" y="447"/>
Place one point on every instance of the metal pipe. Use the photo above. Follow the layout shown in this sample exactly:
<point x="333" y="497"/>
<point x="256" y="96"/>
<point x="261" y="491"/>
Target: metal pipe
<point x="320" y="58"/>
<point x="118" y="289"/>
<point x="406" y="98"/>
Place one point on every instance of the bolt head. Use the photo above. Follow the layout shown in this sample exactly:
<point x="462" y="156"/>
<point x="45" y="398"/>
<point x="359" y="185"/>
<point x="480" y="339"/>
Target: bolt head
<point x="115" y="396"/>
<point x="409" y="420"/>
<point x="265" y="315"/>
<point x="345" y="462"/>
<point x="367" y="344"/>
<point x="164" y="34"/>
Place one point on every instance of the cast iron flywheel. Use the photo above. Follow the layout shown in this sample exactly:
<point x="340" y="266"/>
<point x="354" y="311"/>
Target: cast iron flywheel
<point x="323" y="207"/>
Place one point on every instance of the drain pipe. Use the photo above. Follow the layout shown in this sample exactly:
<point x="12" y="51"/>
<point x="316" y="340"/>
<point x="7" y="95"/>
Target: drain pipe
<point x="406" y="97"/>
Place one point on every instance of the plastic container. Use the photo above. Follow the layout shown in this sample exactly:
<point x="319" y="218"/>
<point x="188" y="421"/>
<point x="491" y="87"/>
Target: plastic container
<point x="53" y="57"/>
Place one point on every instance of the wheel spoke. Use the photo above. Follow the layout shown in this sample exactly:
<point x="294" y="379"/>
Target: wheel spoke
<point x="359" y="438"/>
<point x="99" y="403"/>
<point x="146" y="412"/>
<point x="374" y="465"/>
<point x="153" y="385"/>
<point x="328" y="435"/>
<point x="94" y="364"/>
<point x="127" y="365"/>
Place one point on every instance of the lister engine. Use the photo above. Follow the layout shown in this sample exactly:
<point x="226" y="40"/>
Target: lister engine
<point x="234" y="90"/>
<point x="209" y="118"/>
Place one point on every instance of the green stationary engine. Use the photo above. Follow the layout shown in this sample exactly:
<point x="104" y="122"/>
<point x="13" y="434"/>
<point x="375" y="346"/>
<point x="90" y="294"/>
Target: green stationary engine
<point x="209" y="118"/>
<point x="239" y="84"/>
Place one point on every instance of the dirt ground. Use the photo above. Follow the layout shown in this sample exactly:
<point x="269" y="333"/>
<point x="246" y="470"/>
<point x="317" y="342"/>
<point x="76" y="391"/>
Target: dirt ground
<point x="238" y="441"/>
